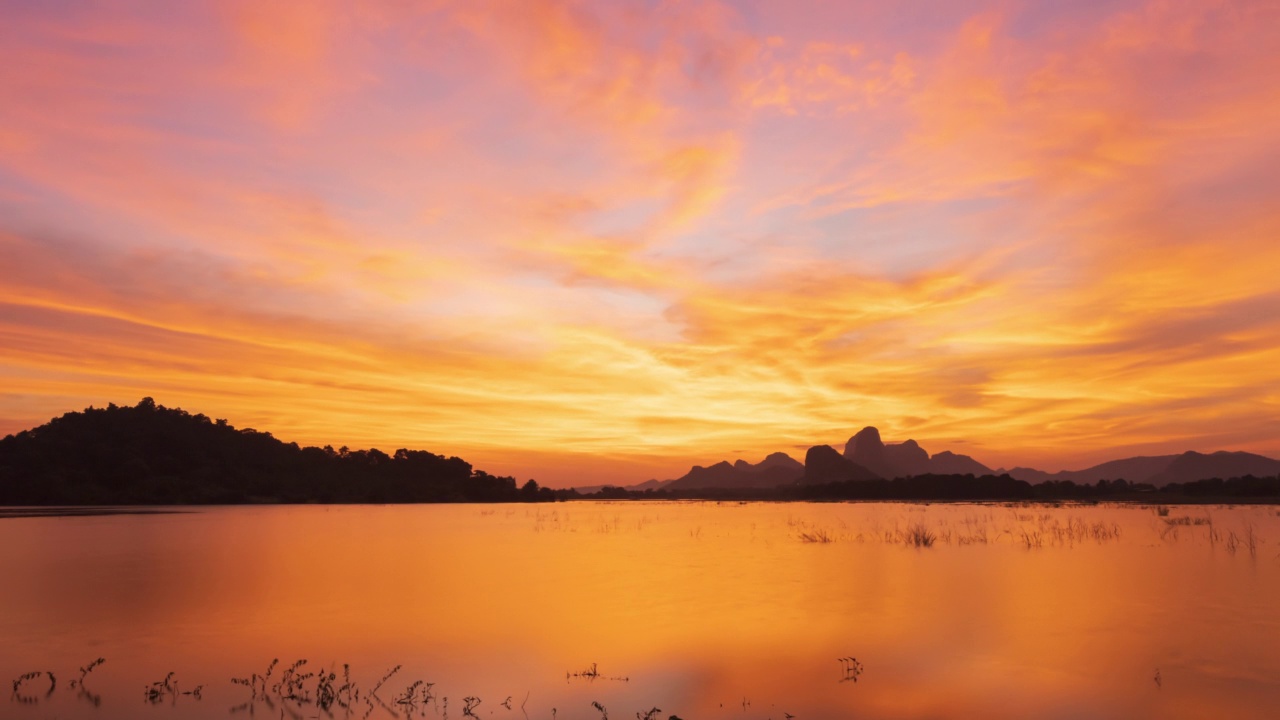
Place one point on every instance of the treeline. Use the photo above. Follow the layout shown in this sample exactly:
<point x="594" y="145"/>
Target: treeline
<point x="984" y="487"/>
<point x="152" y="455"/>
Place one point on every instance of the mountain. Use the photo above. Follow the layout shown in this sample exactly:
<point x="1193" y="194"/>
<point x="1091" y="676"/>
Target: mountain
<point x="865" y="457"/>
<point x="776" y="469"/>
<point x="949" y="463"/>
<point x="1134" y="469"/>
<point x="780" y="460"/>
<point x="907" y="459"/>
<point x="1160" y="470"/>
<point x="867" y="449"/>
<point x="823" y="465"/>
<point x="1191" y="466"/>
<point x="638" y="487"/>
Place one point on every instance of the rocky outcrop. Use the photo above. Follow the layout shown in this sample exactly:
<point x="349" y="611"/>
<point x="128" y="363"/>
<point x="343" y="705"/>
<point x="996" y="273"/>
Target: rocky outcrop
<point x="907" y="459"/>
<point x="867" y="449"/>
<point x="822" y="465"/>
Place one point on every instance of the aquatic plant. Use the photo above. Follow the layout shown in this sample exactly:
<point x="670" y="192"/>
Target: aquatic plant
<point x="326" y="693"/>
<point x="292" y="685"/>
<point x="850" y="667"/>
<point x="26" y="677"/>
<point x="592" y="673"/>
<point x="84" y="672"/>
<point x="384" y="679"/>
<point x="258" y="683"/>
<point x="168" y="687"/>
<point x="818" y="535"/>
<point x="410" y="695"/>
<point x="348" y="688"/>
<point x="156" y="691"/>
<point x="918" y="535"/>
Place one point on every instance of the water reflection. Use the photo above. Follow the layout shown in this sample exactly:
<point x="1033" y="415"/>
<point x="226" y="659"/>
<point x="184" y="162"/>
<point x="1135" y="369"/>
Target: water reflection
<point x="703" y="610"/>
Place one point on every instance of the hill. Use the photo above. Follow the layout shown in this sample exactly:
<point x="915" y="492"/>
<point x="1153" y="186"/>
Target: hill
<point x="776" y="469"/>
<point x="1161" y="470"/>
<point x="150" y="454"/>
<point x="1192" y="466"/>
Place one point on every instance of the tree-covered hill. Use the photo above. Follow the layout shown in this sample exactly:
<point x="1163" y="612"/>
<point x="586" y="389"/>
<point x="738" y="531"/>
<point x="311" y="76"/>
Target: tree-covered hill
<point x="150" y="454"/>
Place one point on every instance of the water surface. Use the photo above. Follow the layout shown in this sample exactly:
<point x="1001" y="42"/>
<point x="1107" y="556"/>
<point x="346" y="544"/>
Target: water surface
<point x="704" y="610"/>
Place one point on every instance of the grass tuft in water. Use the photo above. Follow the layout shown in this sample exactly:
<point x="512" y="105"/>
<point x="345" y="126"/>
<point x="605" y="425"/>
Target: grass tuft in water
<point x="920" y="536"/>
<point x="816" y="536"/>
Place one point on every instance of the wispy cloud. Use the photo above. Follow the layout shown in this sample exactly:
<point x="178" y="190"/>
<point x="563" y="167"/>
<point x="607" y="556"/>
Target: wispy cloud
<point x="558" y="237"/>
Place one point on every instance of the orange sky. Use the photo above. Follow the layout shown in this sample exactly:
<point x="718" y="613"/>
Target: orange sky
<point x="588" y="242"/>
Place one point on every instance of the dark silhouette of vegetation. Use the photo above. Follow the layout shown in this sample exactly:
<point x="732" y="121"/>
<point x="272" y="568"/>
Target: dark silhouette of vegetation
<point x="850" y="668"/>
<point x="968" y="487"/>
<point x="152" y="455"/>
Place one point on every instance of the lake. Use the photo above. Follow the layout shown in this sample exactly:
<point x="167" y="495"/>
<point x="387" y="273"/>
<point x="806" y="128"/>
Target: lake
<point x="699" y="609"/>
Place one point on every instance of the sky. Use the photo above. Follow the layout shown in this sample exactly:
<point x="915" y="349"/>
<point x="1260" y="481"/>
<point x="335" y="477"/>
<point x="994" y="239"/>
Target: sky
<point x="590" y="242"/>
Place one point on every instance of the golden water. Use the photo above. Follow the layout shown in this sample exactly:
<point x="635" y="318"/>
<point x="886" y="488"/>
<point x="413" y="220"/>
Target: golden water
<point x="704" y="610"/>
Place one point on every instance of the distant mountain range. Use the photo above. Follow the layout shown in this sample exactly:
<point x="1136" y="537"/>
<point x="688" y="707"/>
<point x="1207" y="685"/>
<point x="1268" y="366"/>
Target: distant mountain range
<point x="867" y="457"/>
<point x="776" y="469"/>
<point x="1161" y="470"/>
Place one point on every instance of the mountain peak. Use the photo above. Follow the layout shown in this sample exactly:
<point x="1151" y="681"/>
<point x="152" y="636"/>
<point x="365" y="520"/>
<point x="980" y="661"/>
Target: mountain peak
<point x="867" y="449"/>
<point x="822" y="464"/>
<point x="868" y="438"/>
<point x="780" y="459"/>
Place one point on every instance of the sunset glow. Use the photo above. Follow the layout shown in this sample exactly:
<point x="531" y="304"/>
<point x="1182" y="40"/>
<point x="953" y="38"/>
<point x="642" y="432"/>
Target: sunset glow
<point x="589" y="242"/>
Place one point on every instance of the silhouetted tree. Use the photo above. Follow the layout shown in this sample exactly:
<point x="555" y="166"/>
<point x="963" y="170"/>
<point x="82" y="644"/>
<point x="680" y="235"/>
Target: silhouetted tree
<point x="149" y="454"/>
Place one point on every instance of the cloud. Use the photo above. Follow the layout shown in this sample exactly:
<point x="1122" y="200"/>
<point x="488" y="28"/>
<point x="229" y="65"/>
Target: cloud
<point x="562" y="231"/>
